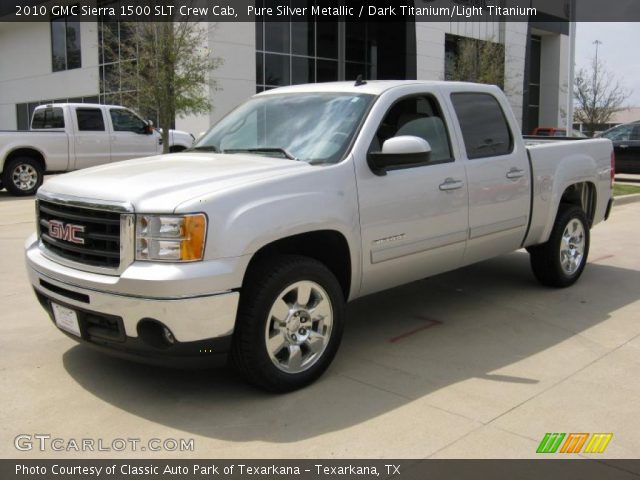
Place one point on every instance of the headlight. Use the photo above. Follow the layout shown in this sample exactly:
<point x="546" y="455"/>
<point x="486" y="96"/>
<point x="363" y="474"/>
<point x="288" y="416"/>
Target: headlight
<point x="170" y="238"/>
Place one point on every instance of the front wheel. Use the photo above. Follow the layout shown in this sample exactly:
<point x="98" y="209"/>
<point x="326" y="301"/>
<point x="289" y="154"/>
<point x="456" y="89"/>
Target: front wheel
<point x="22" y="176"/>
<point x="289" y="323"/>
<point x="561" y="260"/>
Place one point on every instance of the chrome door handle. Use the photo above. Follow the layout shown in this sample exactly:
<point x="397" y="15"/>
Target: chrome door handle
<point x="515" y="173"/>
<point x="450" y="184"/>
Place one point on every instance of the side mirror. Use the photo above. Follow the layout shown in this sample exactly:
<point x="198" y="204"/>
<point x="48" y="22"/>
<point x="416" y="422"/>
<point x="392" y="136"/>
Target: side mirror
<point x="400" y="152"/>
<point x="150" y="123"/>
<point x="148" y="129"/>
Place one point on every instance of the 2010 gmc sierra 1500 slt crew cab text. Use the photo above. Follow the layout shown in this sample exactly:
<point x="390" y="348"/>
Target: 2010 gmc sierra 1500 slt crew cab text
<point x="71" y="136"/>
<point x="301" y="199"/>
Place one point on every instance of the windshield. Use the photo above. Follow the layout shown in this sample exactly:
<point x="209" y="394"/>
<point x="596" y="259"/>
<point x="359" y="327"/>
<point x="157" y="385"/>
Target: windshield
<point x="312" y="127"/>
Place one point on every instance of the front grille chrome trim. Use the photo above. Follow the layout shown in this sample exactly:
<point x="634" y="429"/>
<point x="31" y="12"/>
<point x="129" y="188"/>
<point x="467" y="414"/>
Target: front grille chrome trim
<point x="126" y="239"/>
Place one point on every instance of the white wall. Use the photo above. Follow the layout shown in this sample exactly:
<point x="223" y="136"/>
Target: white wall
<point x="430" y="50"/>
<point x="554" y="80"/>
<point x="235" y="45"/>
<point x="25" y="67"/>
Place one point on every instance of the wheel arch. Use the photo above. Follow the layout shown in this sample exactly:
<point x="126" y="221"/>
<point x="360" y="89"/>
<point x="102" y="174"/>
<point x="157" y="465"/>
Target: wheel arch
<point x="26" y="152"/>
<point x="583" y="195"/>
<point x="329" y="247"/>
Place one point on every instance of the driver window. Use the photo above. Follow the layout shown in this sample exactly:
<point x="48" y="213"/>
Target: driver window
<point x="417" y="116"/>
<point x="126" y="121"/>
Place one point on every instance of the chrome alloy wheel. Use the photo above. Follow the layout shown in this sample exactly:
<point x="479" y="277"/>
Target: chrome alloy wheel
<point x="24" y="176"/>
<point x="299" y="326"/>
<point x="572" y="247"/>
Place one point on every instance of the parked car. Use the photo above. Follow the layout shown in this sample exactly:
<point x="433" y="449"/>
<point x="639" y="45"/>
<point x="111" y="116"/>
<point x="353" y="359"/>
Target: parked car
<point x="70" y="136"/>
<point x="556" y="132"/>
<point x="300" y="200"/>
<point x="626" y="143"/>
<point x="179" y="140"/>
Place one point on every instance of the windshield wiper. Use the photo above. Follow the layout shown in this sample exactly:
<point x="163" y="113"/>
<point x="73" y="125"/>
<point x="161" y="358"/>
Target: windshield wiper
<point x="280" y="150"/>
<point x="205" y="148"/>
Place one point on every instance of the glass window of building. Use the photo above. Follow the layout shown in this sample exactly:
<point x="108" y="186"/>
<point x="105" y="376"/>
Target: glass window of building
<point x="65" y="44"/>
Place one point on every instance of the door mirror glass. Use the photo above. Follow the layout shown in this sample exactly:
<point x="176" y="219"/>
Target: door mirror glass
<point x="405" y="151"/>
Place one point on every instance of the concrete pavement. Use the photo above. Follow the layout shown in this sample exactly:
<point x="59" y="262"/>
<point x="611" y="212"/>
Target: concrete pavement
<point x="476" y="363"/>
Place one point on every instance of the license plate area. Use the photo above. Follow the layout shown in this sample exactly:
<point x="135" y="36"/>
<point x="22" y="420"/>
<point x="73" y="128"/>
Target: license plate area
<point x="66" y="319"/>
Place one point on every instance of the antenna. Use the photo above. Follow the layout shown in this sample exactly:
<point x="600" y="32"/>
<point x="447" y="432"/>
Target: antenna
<point x="360" y="81"/>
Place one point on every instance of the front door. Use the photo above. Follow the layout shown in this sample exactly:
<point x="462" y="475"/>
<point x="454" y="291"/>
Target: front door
<point x="130" y="136"/>
<point x="414" y="220"/>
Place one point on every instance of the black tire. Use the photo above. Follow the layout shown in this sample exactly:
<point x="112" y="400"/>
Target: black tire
<point x="265" y="284"/>
<point x="177" y="149"/>
<point x="547" y="259"/>
<point x="20" y="186"/>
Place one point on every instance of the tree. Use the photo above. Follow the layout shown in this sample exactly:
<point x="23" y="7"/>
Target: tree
<point x="478" y="61"/>
<point x="165" y="68"/>
<point x="598" y="95"/>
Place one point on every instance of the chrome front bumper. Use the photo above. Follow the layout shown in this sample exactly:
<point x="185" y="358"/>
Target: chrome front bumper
<point x="191" y="319"/>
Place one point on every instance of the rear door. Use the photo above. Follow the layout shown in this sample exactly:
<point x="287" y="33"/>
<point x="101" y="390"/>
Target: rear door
<point x="413" y="220"/>
<point x="92" y="145"/>
<point x="498" y="174"/>
<point x="130" y="137"/>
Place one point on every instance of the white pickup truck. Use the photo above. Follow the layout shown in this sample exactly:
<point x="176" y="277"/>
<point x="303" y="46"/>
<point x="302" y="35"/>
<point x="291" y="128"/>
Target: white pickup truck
<point x="69" y="136"/>
<point x="303" y="198"/>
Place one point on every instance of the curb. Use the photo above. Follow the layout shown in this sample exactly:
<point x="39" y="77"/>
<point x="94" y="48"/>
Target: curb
<point x="624" y="199"/>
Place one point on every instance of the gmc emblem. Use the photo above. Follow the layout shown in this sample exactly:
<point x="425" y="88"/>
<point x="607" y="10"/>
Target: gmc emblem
<point x="68" y="232"/>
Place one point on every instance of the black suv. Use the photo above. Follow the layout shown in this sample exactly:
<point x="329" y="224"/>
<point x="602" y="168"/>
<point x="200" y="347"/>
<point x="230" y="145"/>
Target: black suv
<point x="626" y="143"/>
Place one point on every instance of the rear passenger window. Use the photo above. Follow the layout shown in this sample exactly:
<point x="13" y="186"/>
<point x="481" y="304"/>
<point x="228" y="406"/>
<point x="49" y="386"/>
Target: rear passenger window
<point x="417" y="116"/>
<point x="484" y="127"/>
<point x="90" y="120"/>
<point x="48" y="118"/>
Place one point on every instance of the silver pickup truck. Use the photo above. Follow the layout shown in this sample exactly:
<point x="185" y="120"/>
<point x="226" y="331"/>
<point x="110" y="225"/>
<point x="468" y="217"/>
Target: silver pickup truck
<point x="71" y="136"/>
<point x="249" y="245"/>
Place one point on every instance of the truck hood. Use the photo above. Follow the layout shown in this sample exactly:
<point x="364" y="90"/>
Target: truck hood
<point x="161" y="183"/>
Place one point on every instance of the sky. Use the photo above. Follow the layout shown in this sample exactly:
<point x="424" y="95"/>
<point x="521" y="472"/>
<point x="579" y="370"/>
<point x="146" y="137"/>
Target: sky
<point x="618" y="51"/>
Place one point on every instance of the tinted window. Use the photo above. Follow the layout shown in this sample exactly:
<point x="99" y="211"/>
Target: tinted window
<point x="48" y="118"/>
<point x="90" y="120"/>
<point x="22" y="116"/>
<point x="65" y="44"/>
<point x="58" y="45"/>
<point x="126" y="121"/>
<point x="623" y="133"/>
<point x="417" y="116"/>
<point x="484" y="128"/>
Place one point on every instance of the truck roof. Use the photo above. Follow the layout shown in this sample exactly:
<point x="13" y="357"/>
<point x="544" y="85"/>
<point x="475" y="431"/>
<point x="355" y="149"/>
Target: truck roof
<point x="372" y="87"/>
<point x="81" y="105"/>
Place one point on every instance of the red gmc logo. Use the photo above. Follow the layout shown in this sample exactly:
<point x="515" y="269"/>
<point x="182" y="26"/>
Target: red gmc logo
<point x="67" y="232"/>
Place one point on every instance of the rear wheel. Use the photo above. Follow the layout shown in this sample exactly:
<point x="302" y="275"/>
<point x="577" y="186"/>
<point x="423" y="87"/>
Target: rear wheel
<point x="22" y="176"/>
<point x="289" y="324"/>
<point x="561" y="260"/>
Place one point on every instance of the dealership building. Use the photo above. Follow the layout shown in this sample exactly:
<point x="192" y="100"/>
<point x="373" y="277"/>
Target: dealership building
<point x="64" y="60"/>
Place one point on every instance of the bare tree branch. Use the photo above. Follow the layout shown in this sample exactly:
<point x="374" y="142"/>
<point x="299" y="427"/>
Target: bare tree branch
<point x="598" y="95"/>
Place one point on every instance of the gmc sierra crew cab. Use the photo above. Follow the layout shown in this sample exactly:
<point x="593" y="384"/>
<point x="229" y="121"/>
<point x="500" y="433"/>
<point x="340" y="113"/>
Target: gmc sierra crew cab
<point x="248" y="245"/>
<point x="70" y="136"/>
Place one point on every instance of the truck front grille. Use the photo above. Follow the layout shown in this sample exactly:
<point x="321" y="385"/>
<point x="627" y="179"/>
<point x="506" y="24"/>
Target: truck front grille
<point x="82" y="235"/>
